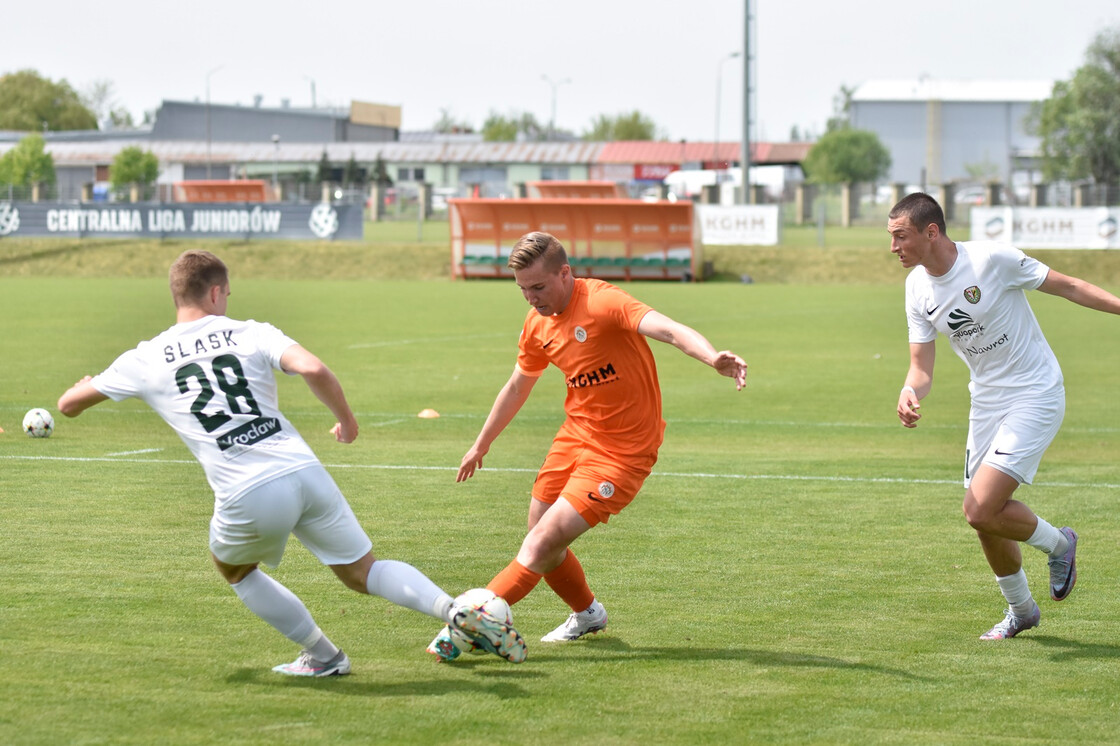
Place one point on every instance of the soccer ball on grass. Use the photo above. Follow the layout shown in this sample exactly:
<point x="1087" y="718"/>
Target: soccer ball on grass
<point x="483" y="600"/>
<point x="38" y="423"/>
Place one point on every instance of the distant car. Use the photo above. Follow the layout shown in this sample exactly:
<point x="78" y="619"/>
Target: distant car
<point x="973" y="195"/>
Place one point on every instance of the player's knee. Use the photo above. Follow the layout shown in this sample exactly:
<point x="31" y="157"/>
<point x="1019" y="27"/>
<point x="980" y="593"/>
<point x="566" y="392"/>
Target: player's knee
<point x="977" y="514"/>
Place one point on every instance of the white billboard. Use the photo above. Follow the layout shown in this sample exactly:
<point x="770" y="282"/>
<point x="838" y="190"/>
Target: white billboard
<point x="739" y="225"/>
<point x="1048" y="227"/>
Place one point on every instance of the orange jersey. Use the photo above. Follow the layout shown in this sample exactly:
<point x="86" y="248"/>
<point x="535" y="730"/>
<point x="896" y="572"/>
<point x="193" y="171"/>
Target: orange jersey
<point x="614" y="399"/>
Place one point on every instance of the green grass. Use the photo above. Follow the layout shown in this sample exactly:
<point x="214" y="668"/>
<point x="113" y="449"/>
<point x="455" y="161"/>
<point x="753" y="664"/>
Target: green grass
<point x="796" y="569"/>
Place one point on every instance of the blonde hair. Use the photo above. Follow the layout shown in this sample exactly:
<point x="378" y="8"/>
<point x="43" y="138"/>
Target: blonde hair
<point x="538" y="246"/>
<point x="193" y="274"/>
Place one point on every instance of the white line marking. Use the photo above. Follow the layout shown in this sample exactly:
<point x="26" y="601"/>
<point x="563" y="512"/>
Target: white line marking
<point x="133" y="453"/>
<point x="674" y="474"/>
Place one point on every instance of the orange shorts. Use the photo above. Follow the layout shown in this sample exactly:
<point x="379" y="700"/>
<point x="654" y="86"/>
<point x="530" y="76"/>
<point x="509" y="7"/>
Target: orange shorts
<point x="595" y="484"/>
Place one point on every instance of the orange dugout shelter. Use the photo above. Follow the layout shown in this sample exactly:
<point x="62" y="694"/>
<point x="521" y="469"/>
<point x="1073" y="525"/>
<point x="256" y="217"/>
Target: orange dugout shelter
<point x="576" y="190"/>
<point x="206" y="190"/>
<point x="621" y="239"/>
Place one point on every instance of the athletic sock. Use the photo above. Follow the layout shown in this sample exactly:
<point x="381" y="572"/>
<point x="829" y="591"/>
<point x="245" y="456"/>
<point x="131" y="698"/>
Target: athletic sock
<point x="1017" y="592"/>
<point x="404" y="585"/>
<point x="281" y="608"/>
<point x="514" y="582"/>
<point x="570" y="583"/>
<point x="1047" y="538"/>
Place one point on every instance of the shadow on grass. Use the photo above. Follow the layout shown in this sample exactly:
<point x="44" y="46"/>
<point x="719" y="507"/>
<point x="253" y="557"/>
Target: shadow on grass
<point x="55" y="251"/>
<point x="355" y="685"/>
<point x="619" y="650"/>
<point x="1065" y="649"/>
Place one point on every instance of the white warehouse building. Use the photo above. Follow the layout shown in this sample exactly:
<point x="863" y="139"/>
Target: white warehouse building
<point x="940" y="131"/>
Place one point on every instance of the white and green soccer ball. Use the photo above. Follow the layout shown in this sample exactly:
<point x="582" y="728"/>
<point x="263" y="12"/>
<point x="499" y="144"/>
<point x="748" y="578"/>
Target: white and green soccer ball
<point x="38" y="423"/>
<point x="482" y="600"/>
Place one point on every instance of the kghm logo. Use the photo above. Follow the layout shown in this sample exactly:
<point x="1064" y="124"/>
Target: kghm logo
<point x="9" y="218"/>
<point x="958" y="318"/>
<point x="972" y="294"/>
<point x="251" y="432"/>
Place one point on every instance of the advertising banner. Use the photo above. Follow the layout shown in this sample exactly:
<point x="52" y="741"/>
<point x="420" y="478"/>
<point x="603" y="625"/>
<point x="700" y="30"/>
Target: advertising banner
<point x="1048" y="227"/>
<point x="739" y="225"/>
<point x="175" y="220"/>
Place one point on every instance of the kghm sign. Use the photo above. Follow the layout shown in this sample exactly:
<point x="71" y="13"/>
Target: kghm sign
<point x="321" y="221"/>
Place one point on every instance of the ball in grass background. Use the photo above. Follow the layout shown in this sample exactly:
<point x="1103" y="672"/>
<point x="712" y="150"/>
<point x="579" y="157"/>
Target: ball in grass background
<point x="38" y="423"/>
<point x="480" y="598"/>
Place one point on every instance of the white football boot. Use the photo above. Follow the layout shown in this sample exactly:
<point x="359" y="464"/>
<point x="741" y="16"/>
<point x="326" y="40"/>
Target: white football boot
<point x="590" y="620"/>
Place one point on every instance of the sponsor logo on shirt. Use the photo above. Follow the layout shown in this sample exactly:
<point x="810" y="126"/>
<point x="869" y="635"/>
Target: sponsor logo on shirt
<point x="605" y="374"/>
<point x="251" y="432"/>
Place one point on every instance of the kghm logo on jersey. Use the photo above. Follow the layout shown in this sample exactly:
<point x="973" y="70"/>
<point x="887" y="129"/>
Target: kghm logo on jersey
<point x="972" y="294"/>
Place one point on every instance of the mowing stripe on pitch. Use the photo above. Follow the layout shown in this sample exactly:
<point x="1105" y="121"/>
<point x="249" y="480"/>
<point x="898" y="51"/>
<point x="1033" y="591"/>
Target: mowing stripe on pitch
<point x="510" y="470"/>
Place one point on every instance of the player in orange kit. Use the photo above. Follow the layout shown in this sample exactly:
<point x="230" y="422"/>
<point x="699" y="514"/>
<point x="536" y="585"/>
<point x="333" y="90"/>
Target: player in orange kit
<point x="595" y="334"/>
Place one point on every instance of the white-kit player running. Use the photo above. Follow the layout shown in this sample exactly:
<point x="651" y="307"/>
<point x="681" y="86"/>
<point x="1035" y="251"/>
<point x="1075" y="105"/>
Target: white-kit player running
<point x="211" y="378"/>
<point x="973" y="292"/>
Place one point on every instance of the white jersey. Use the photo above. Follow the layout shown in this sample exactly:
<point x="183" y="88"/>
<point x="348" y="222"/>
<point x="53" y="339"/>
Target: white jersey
<point x="212" y="381"/>
<point x="981" y="306"/>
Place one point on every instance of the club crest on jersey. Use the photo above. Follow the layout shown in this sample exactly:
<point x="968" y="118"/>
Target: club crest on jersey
<point x="606" y="489"/>
<point x="972" y="294"/>
<point x="581" y="334"/>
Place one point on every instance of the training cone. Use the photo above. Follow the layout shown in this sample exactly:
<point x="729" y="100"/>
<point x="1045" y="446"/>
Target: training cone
<point x="428" y="414"/>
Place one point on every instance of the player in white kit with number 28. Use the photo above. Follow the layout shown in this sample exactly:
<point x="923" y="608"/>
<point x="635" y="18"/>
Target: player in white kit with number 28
<point x="211" y="378"/>
<point x="973" y="292"/>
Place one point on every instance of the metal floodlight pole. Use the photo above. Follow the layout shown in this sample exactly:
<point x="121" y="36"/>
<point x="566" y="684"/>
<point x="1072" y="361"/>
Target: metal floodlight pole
<point x="216" y="69"/>
<point x="745" y="145"/>
<point x="555" y="85"/>
<point x="719" y="90"/>
<point x="276" y="163"/>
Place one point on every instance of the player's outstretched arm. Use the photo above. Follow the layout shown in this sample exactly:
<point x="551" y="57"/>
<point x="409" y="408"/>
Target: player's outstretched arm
<point x="326" y="387"/>
<point x="80" y="397"/>
<point x="506" y="406"/>
<point x="1080" y="292"/>
<point x="691" y="342"/>
<point x="919" y="381"/>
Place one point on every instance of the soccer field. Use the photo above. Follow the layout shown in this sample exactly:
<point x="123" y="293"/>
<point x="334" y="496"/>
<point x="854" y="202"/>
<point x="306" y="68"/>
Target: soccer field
<point x="795" y="570"/>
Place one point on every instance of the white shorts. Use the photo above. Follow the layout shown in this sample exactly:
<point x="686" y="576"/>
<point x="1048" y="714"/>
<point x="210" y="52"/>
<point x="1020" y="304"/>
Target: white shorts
<point x="1013" y="439"/>
<point x="254" y="527"/>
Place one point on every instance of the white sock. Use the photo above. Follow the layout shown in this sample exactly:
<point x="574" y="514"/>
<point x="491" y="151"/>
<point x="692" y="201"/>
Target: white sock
<point x="1017" y="592"/>
<point x="282" y="609"/>
<point x="1047" y="538"/>
<point x="404" y="585"/>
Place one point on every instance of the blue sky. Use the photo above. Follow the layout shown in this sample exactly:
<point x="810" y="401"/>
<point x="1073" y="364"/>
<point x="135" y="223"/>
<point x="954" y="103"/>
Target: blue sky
<point x="470" y="58"/>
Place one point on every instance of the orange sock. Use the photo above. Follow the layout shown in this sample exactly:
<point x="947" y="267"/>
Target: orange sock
<point x="570" y="583"/>
<point x="514" y="582"/>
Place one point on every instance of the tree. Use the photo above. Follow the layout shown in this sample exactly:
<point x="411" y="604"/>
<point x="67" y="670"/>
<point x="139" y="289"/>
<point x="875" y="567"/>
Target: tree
<point x="133" y="166"/>
<point x="499" y="128"/>
<point x="100" y="98"/>
<point x="380" y="175"/>
<point x="632" y="126"/>
<point x="27" y="163"/>
<point x="448" y="124"/>
<point x="1079" y="125"/>
<point x="841" y="109"/>
<point x="325" y="172"/>
<point x="31" y="103"/>
<point x="352" y="174"/>
<point x="847" y="155"/>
